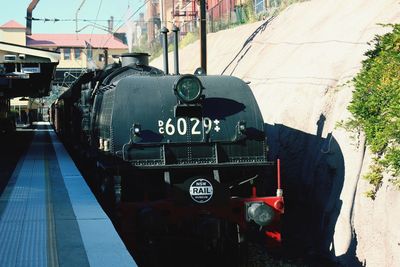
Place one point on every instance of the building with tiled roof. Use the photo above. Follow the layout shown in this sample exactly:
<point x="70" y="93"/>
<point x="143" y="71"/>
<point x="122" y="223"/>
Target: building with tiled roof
<point x="78" y="51"/>
<point x="75" y="40"/>
<point x="13" y="32"/>
<point x="12" y="24"/>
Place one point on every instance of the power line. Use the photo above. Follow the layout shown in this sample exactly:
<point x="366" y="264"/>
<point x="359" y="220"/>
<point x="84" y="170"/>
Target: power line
<point x="97" y="15"/>
<point x="76" y="14"/>
<point x="70" y="20"/>
<point x="134" y="13"/>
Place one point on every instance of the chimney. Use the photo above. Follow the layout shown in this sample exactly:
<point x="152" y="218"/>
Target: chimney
<point x="135" y="58"/>
<point x="111" y="24"/>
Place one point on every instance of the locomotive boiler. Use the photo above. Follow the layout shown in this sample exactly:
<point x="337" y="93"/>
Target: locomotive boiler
<point x="175" y="151"/>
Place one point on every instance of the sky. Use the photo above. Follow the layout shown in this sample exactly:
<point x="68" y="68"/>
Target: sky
<point x="66" y="10"/>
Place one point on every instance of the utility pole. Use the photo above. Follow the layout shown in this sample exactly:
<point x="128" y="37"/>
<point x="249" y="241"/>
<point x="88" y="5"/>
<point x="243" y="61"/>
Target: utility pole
<point x="31" y="7"/>
<point x="203" y="36"/>
<point x="76" y="15"/>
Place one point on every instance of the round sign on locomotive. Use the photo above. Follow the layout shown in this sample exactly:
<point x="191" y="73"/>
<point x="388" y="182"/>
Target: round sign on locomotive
<point x="201" y="191"/>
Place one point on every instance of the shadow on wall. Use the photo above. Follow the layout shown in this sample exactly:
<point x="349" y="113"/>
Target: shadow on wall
<point x="312" y="179"/>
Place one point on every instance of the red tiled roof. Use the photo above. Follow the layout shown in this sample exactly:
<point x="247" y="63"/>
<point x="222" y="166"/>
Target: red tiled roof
<point x="75" y="40"/>
<point x="12" y="24"/>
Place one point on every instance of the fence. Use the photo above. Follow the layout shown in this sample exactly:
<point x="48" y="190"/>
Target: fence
<point x="267" y="6"/>
<point x="223" y="14"/>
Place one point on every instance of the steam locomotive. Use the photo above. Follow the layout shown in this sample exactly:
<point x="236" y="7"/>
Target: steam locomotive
<point x="175" y="152"/>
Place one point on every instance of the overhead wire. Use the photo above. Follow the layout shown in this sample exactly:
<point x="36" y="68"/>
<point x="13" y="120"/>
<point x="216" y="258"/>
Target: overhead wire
<point x="119" y="27"/>
<point x="94" y="24"/>
<point x="97" y="16"/>
<point x="91" y="34"/>
<point x="112" y="33"/>
<point x="70" y="20"/>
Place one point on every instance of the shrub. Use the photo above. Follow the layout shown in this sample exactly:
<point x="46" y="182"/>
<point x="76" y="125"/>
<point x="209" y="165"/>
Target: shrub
<point x="376" y="105"/>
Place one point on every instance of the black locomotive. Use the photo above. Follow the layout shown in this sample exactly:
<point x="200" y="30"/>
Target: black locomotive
<point x="174" y="150"/>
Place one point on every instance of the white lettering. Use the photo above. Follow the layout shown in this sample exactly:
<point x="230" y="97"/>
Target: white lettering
<point x="160" y="127"/>
<point x="169" y="127"/>
<point x="182" y="126"/>
<point x="196" y="124"/>
<point x="207" y="124"/>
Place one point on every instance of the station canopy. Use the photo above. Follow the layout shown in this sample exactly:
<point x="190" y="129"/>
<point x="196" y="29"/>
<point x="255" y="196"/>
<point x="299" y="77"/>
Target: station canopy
<point x="26" y="71"/>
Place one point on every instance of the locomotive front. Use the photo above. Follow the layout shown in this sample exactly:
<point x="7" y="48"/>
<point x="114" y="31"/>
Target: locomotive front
<point x="192" y="145"/>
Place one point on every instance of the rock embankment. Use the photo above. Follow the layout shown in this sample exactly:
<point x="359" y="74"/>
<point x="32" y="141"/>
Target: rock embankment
<point x="298" y="65"/>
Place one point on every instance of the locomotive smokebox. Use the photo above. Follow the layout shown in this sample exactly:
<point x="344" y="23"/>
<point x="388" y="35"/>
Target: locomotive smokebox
<point x="135" y="58"/>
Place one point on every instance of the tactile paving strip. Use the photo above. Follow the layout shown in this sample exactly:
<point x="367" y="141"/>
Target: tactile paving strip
<point x="23" y="221"/>
<point x="49" y="217"/>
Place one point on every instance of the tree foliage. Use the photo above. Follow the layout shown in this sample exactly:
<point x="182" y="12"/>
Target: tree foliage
<point x="376" y="105"/>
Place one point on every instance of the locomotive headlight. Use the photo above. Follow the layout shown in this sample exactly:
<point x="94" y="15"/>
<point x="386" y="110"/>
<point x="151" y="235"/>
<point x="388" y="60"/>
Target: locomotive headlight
<point x="260" y="213"/>
<point x="241" y="127"/>
<point x="136" y="128"/>
<point x="188" y="88"/>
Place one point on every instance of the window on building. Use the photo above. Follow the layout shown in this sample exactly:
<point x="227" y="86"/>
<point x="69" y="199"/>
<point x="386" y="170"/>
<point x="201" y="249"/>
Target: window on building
<point x="101" y="57"/>
<point x="77" y="52"/>
<point x="67" y="53"/>
<point x="89" y="54"/>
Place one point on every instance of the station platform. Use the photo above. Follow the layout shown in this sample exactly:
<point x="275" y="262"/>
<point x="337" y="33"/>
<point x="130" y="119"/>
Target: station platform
<point x="49" y="216"/>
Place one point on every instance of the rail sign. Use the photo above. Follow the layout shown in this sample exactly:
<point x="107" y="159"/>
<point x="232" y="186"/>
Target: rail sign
<point x="201" y="190"/>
